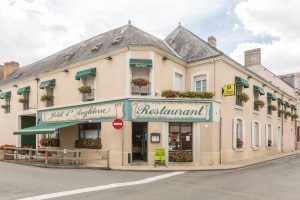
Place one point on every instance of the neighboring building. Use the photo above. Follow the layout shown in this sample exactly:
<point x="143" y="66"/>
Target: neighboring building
<point x="294" y="81"/>
<point x="123" y="73"/>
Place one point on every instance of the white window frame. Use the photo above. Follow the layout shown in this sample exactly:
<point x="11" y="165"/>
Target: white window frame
<point x="176" y="71"/>
<point x="193" y="83"/>
<point x="234" y="136"/>
<point x="266" y="136"/>
<point x="252" y="134"/>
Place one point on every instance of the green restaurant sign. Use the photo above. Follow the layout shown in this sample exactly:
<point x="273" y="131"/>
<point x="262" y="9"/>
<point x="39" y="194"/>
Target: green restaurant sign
<point x="135" y="110"/>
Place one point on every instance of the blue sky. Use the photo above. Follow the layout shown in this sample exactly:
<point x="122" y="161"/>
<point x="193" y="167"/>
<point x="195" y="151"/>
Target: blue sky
<point x="33" y="29"/>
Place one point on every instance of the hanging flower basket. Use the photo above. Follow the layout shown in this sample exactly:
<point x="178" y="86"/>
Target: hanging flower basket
<point x="259" y="103"/>
<point x="22" y="100"/>
<point x="187" y="94"/>
<point x="295" y="116"/>
<point x="272" y="107"/>
<point x="85" y="89"/>
<point x="140" y="82"/>
<point x="88" y="143"/>
<point x="170" y="94"/>
<point x="46" y="97"/>
<point x="289" y="114"/>
<point x="244" y="97"/>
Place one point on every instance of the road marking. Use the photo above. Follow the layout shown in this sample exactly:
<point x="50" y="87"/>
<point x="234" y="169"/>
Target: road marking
<point x="103" y="187"/>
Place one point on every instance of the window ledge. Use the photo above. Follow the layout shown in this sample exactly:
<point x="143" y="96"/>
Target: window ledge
<point x="239" y="149"/>
<point x="239" y="107"/>
<point x="256" y="112"/>
<point x="255" y="148"/>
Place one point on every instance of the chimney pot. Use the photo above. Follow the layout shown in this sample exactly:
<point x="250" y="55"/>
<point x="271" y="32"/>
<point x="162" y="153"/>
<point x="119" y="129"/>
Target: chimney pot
<point x="253" y="57"/>
<point x="10" y="68"/>
<point x="1" y="70"/>
<point x="212" y="41"/>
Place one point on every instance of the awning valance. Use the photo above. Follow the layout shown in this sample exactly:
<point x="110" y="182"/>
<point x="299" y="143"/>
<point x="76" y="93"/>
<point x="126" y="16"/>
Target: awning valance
<point x="258" y="90"/>
<point x="241" y="81"/>
<point x="44" y="128"/>
<point x="48" y="83"/>
<point x="271" y="96"/>
<point x="280" y="101"/>
<point x="287" y="104"/>
<point x="23" y="90"/>
<point x="5" y="94"/>
<point x="140" y="63"/>
<point x="85" y="73"/>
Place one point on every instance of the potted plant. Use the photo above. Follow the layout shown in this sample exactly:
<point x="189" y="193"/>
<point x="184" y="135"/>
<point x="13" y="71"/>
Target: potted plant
<point x="4" y="106"/>
<point x="85" y="89"/>
<point x="272" y="107"/>
<point x="244" y="97"/>
<point x="46" y="97"/>
<point x="259" y="103"/>
<point x="140" y="82"/>
<point x="22" y="100"/>
<point x="49" y="142"/>
<point x="239" y="143"/>
<point x="269" y="143"/>
<point x="170" y="93"/>
<point x="295" y="116"/>
<point x="207" y="95"/>
<point x="89" y="143"/>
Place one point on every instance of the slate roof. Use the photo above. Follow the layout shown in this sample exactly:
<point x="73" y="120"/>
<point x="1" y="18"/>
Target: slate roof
<point x="128" y="35"/>
<point x="189" y="46"/>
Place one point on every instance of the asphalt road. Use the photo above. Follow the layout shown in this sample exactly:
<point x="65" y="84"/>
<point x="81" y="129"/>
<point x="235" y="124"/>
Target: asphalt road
<point x="278" y="179"/>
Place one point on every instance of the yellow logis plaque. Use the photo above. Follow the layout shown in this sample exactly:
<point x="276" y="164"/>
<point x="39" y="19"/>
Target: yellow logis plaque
<point x="229" y="90"/>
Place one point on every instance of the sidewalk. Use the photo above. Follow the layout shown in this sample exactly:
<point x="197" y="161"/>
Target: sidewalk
<point x="230" y="166"/>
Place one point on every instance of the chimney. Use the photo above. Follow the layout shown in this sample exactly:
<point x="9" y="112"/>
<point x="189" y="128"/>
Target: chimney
<point x="1" y="70"/>
<point x="10" y="67"/>
<point x="212" y="41"/>
<point x="253" y="57"/>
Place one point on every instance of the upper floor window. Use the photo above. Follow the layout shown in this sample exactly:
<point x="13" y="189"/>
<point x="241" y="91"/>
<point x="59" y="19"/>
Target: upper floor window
<point x="24" y="91"/>
<point x="178" y="82"/>
<point x="241" y="97"/>
<point x="87" y="78"/>
<point x="258" y="91"/>
<point x="140" y="82"/>
<point x="48" y="96"/>
<point x="90" y="131"/>
<point x="200" y="83"/>
<point x="6" y="96"/>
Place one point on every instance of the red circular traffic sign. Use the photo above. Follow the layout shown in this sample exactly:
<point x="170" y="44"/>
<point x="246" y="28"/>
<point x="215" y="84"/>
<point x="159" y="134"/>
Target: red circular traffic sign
<point x="118" y="123"/>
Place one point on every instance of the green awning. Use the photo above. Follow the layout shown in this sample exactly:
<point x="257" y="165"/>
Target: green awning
<point x="293" y="107"/>
<point x="271" y="96"/>
<point x="258" y="90"/>
<point x="23" y="90"/>
<point x="140" y="63"/>
<point x="48" y="83"/>
<point x="48" y="128"/>
<point x="5" y="94"/>
<point x="85" y="73"/>
<point x="287" y="104"/>
<point x="280" y="101"/>
<point x="241" y="81"/>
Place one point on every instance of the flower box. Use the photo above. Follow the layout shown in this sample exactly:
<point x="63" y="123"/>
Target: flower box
<point x="88" y="143"/>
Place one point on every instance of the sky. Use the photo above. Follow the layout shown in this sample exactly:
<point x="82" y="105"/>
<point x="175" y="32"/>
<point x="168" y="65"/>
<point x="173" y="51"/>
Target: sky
<point x="34" y="29"/>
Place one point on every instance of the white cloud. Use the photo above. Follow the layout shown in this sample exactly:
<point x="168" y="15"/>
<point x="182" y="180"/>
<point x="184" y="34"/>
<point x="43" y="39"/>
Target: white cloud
<point x="278" y="19"/>
<point x="31" y="30"/>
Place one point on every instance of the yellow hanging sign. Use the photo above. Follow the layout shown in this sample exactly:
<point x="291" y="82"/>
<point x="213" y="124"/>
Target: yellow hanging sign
<point x="229" y="90"/>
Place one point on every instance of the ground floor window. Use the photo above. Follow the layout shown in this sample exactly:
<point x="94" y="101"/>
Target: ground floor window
<point x="90" y="131"/>
<point x="269" y="135"/>
<point x="238" y="133"/>
<point x="298" y="133"/>
<point x="180" y="142"/>
<point x="255" y="134"/>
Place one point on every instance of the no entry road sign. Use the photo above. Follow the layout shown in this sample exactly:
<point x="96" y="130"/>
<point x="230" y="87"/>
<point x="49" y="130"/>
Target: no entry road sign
<point x="118" y="123"/>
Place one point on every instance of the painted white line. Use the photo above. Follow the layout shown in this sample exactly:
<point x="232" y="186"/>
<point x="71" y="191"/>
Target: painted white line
<point x="103" y="187"/>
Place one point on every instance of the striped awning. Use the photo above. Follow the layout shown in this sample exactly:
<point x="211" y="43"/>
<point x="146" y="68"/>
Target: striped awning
<point x="271" y="96"/>
<point x="23" y="90"/>
<point x="140" y="63"/>
<point x="258" y="90"/>
<point x="241" y="81"/>
<point x="5" y="94"/>
<point x="48" y="83"/>
<point x="85" y="73"/>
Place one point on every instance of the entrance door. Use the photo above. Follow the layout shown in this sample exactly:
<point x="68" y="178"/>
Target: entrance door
<point x="139" y="141"/>
<point x="28" y="140"/>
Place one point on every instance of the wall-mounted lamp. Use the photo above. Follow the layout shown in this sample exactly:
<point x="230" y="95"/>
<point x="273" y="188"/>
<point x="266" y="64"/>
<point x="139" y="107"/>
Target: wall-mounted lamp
<point x="15" y="86"/>
<point x="249" y="77"/>
<point x="165" y="58"/>
<point x="66" y="71"/>
<point x="37" y="79"/>
<point x="264" y="85"/>
<point x="275" y="92"/>
<point x="108" y="58"/>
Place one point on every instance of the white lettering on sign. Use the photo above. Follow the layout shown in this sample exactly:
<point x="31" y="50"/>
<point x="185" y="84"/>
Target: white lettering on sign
<point x="86" y="112"/>
<point x="170" y="110"/>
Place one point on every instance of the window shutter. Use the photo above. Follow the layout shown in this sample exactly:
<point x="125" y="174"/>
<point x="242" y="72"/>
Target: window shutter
<point x="234" y="138"/>
<point x="266" y="135"/>
<point x="244" y="133"/>
<point x="252" y="134"/>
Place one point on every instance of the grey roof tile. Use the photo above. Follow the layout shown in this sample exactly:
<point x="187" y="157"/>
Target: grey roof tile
<point x="189" y="46"/>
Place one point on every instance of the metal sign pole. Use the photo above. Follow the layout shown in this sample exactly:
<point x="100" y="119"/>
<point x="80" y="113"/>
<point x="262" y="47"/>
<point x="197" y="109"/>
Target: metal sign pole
<point x="123" y="146"/>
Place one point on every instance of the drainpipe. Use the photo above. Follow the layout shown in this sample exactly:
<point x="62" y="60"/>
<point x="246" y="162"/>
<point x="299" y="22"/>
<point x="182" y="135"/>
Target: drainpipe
<point x="282" y="127"/>
<point x="220" y="140"/>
